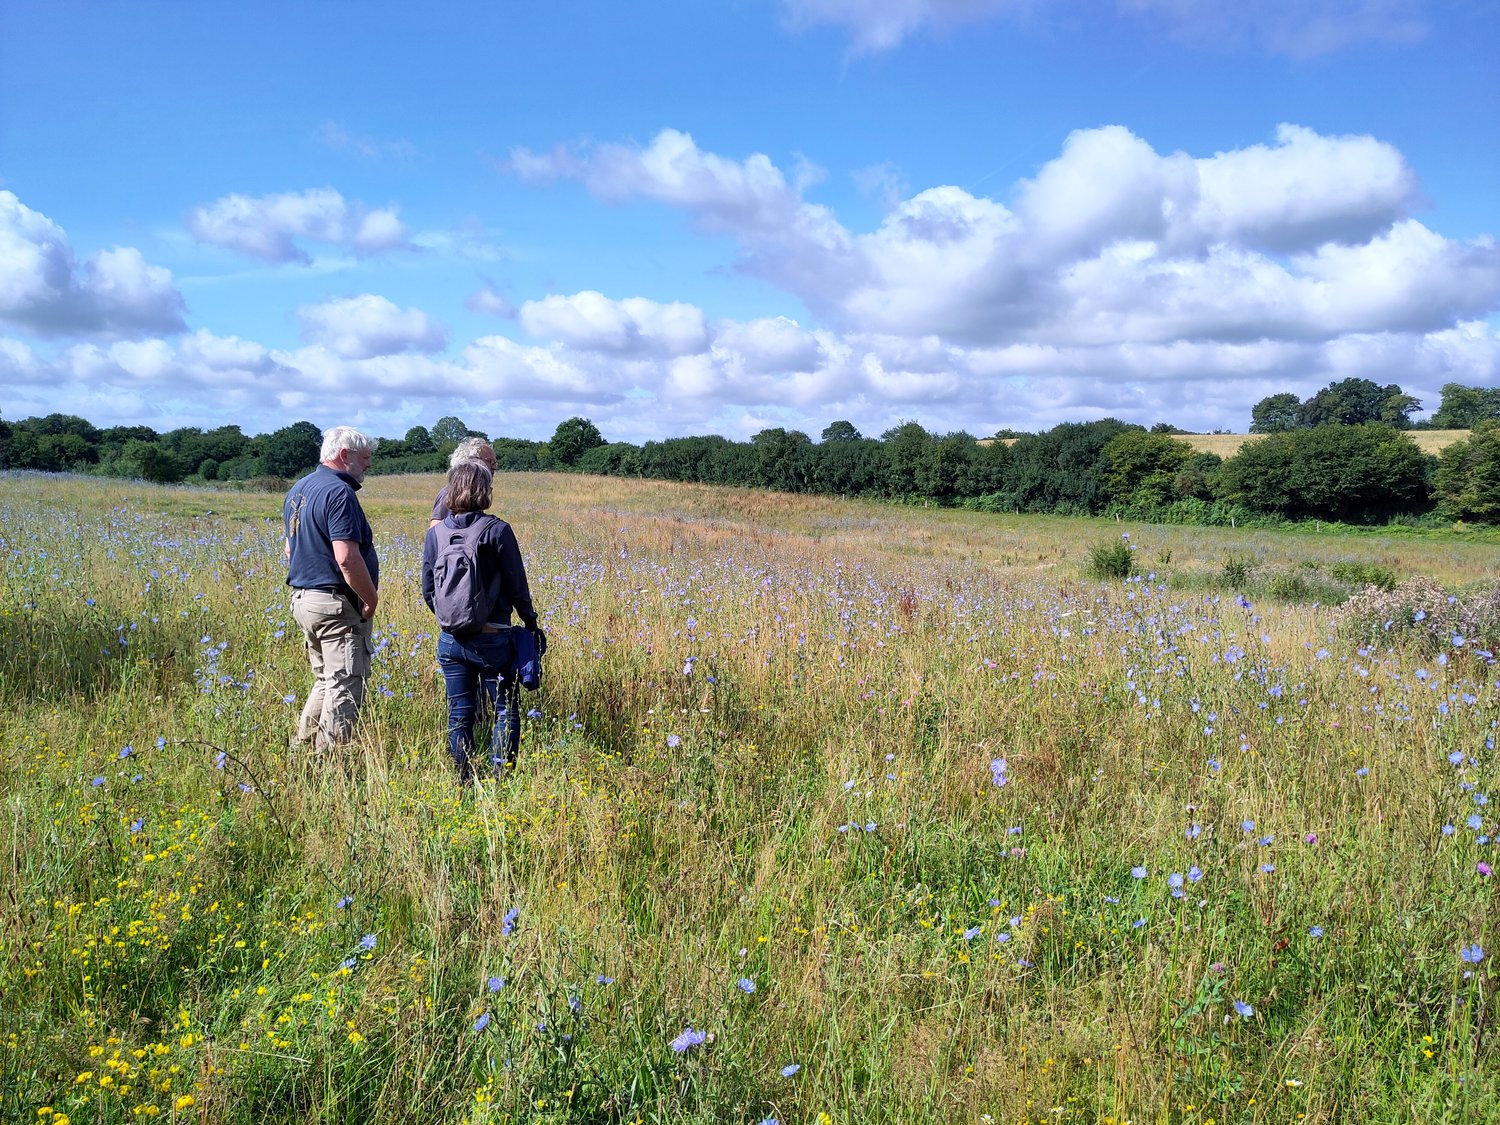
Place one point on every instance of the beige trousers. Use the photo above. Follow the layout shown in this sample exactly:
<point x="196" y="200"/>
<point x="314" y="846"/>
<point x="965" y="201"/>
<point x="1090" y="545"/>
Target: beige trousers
<point x="338" y="647"/>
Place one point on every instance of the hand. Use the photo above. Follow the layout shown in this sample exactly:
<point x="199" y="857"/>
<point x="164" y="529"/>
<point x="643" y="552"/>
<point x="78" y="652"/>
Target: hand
<point x="541" y="641"/>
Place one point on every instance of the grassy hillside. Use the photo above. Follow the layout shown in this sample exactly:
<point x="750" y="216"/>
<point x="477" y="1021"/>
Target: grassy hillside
<point x="826" y="811"/>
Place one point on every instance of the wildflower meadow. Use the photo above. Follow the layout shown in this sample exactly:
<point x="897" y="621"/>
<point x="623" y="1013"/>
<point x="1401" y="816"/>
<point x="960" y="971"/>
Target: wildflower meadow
<point x="826" y="812"/>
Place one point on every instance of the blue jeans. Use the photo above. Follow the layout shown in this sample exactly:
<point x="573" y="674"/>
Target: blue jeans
<point x="479" y="674"/>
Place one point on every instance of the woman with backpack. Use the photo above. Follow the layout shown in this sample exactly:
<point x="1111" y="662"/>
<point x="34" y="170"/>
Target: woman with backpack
<point x="472" y="578"/>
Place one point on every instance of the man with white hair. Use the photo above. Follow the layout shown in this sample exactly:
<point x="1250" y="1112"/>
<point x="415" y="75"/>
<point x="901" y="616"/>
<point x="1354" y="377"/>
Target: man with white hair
<point x="335" y="579"/>
<point x="472" y="450"/>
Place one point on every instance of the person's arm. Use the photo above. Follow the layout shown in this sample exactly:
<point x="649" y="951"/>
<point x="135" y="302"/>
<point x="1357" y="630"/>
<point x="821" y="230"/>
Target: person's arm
<point x="513" y="577"/>
<point x="352" y="566"/>
<point x="429" y="556"/>
<point x="439" y="508"/>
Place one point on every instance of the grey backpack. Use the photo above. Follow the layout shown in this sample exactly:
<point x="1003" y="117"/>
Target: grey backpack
<point x="458" y="594"/>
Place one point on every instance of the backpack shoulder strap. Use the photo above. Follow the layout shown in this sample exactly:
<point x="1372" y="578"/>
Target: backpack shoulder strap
<point x="477" y="528"/>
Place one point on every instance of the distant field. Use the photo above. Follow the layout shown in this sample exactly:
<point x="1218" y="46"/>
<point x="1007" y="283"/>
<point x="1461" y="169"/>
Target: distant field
<point x="1227" y="445"/>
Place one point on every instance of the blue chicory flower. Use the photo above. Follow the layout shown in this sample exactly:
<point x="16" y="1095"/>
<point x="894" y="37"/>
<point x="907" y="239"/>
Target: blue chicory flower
<point x="689" y="1038"/>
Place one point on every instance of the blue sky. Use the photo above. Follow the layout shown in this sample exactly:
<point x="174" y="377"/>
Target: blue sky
<point x="714" y="217"/>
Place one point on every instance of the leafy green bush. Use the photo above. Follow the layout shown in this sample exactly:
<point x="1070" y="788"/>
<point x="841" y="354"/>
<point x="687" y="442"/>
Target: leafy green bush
<point x="1305" y="586"/>
<point x="1237" y="569"/>
<point x="1113" y="559"/>
<point x="1288" y="587"/>
<point x="1352" y="473"/>
<point x="1364" y="574"/>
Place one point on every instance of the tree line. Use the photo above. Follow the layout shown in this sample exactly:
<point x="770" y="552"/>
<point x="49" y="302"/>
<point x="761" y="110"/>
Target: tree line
<point x="1365" y="473"/>
<point x="68" y="443"/>
<point x="1353" y="402"/>
<point x="1351" y="468"/>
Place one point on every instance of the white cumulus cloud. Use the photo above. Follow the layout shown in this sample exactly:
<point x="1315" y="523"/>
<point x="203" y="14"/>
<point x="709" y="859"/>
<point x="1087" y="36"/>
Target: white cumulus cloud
<point x="271" y="227"/>
<point x="369" y="325"/>
<point x="1305" y="190"/>
<point x="591" y="321"/>
<point x="505" y="369"/>
<point x="1110" y="242"/>
<point x="44" y="289"/>
<point x="799" y="244"/>
<point x="770" y="345"/>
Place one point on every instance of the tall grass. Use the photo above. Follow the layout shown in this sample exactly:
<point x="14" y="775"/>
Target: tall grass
<point x="898" y="803"/>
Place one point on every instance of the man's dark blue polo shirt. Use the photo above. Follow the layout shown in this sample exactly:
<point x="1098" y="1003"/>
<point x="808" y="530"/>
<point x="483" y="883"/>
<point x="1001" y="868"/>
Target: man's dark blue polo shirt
<point x="320" y="508"/>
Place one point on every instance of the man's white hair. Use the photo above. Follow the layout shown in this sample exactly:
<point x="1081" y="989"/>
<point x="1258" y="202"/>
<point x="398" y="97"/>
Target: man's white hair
<point x="345" y="437"/>
<point x="469" y="450"/>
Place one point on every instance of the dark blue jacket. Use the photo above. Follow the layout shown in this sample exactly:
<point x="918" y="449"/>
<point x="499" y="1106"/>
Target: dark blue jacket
<point x="500" y="564"/>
